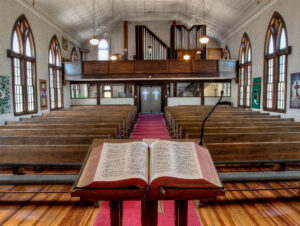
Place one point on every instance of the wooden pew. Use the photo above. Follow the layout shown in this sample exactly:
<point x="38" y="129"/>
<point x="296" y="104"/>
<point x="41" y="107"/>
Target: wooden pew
<point x="101" y="131"/>
<point x="250" y="151"/>
<point x="61" y="126"/>
<point x="251" y="137"/>
<point x="50" y="139"/>
<point x="195" y="132"/>
<point x="61" y="140"/>
<point x="237" y="135"/>
<point x="42" y="153"/>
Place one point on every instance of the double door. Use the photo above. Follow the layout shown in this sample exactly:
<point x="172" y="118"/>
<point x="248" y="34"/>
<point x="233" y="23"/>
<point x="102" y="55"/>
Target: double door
<point x="150" y="99"/>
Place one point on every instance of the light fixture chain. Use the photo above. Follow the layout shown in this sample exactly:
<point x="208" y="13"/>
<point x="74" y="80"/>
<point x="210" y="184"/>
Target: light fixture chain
<point x="203" y="11"/>
<point x="94" y="27"/>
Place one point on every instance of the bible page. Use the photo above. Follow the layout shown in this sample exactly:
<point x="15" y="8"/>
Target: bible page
<point x="174" y="159"/>
<point x="123" y="161"/>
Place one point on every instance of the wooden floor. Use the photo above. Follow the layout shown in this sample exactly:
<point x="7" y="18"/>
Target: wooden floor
<point x="280" y="207"/>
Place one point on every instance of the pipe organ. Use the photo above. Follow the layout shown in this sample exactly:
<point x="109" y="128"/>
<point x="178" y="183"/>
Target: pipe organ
<point x="186" y="41"/>
<point x="149" y="46"/>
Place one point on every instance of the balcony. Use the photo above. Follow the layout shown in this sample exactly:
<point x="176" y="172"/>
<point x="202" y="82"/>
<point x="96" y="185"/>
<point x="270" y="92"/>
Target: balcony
<point x="150" y="70"/>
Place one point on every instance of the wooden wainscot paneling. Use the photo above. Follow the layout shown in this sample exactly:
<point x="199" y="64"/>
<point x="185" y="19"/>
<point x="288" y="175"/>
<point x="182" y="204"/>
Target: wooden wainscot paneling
<point x="180" y="66"/>
<point x="121" y="67"/>
<point x="95" y="67"/>
<point x="151" y="66"/>
<point x="205" y="66"/>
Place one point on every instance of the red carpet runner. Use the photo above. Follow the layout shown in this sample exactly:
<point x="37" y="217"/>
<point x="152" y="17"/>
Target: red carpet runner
<point x="149" y="126"/>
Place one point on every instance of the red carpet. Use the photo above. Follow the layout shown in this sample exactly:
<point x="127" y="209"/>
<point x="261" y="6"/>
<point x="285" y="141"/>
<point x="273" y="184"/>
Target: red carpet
<point x="132" y="214"/>
<point x="149" y="126"/>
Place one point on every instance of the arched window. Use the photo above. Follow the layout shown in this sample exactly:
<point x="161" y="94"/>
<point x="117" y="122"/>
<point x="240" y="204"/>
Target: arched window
<point x="226" y="55"/>
<point x="22" y="53"/>
<point x="74" y="55"/>
<point x="55" y="75"/>
<point x="276" y="51"/>
<point x="107" y="92"/>
<point x="245" y="72"/>
<point x="103" y="50"/>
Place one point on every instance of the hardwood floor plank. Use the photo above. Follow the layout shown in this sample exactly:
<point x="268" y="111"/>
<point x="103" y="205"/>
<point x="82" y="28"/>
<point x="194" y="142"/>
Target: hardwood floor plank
<point x="277" y="207"/>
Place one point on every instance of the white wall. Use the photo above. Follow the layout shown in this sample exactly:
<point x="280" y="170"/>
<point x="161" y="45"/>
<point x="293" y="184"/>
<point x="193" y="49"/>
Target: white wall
<point x="175" y="101"/>
<point x="111" y="101"/>
<point x="116" y="34"/>
<point x="213" y="43"/>
<point x="84" y="101"/>
<point x="42" y="33"/>
<point x="160" y="28"/>
<point x="214" y="100"/>
<point x="256" y="30"/>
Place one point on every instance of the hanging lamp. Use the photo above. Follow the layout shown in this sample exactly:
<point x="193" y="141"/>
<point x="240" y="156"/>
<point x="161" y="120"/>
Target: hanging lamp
<point x="94" y="41"/>
<point x="203" y="39"/>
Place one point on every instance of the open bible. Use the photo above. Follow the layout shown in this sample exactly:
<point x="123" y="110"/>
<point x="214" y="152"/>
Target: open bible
<point x="135" y="164"/>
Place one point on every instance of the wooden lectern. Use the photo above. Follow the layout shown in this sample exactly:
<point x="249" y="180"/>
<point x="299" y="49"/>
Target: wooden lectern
<point x="116" y="196"/>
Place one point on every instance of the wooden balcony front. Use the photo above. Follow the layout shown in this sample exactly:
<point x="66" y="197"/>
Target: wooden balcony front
<point x="150" y="69"/>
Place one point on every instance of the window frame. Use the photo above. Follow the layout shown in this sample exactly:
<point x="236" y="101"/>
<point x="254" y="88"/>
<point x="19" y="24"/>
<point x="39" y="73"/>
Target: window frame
<point x="107" y="91"/>
<point x="55" y="50"/>
<point x="23" y="32"/>
<point x="75" y="87"/>
<point x="274" y="30"/>
<point x="102" y="49"/>
<point x="243" y="66"/>
<point x="217" y="82"/>
<point x="74" y="55"/>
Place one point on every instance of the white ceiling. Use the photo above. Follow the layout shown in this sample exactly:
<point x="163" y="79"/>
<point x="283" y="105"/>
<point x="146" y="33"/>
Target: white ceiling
<point x="76" y="16"/>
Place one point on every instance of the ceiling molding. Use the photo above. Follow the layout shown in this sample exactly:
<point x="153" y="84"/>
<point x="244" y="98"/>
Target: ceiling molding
<point x="42" y="14"/>
<point x="253" y="14"/>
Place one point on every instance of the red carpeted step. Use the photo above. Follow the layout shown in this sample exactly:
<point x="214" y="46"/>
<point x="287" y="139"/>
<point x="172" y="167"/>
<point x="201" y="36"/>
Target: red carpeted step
<point x="150" y="126"/>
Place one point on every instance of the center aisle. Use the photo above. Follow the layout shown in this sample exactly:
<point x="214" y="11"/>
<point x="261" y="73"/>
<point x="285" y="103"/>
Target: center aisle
<point x="150" y="126"/>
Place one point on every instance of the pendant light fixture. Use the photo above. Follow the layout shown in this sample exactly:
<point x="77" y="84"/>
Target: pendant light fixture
<point x="94" y="41"/>
<point x="204" y="39"/>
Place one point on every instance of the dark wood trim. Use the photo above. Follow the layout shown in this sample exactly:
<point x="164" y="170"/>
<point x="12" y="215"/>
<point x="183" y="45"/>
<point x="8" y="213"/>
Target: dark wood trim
<point x="165" y="95"/>
<point x="54" y="47"/>
<point x="99" y="68"/>
<point x="125" y="26"/>
<point x="98" y="94"/>
<point x="23" y="34"/>
<point x="12" y="54"/>
<point x="275" y="27"/>
<point x="244" y="49"/>
<point x="43" y="107"/>
<point x="202" y="93"/>
<point x="204" y="45"/>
